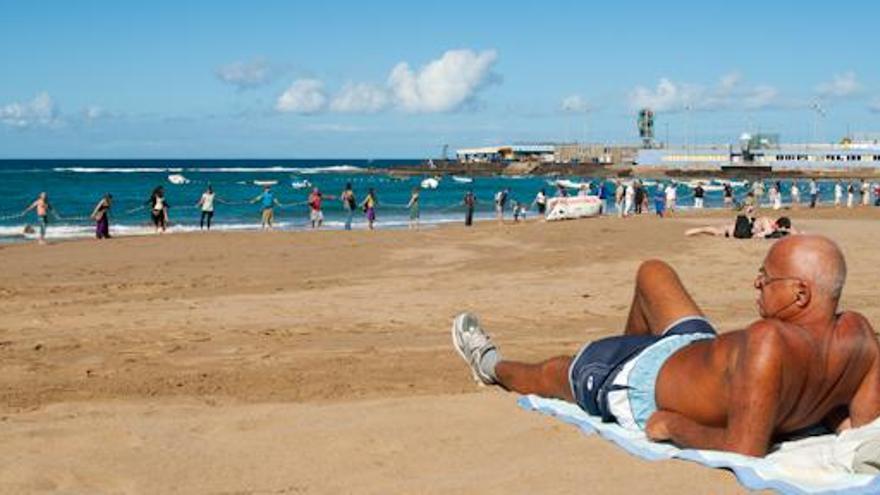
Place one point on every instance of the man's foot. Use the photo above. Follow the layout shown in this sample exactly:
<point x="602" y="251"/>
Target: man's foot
<point x="472" y="343"/>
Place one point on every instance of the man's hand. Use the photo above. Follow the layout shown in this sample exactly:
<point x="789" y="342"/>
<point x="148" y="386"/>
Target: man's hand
<point x="657" y="427"/>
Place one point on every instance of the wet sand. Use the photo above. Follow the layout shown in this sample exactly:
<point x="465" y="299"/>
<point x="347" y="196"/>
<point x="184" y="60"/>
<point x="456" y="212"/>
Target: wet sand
<point x="320" y="362"/>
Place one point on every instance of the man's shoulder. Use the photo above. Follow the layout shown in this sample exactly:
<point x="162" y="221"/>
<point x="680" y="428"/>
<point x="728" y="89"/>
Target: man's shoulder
<point x="771" y="338"/>
<point x="852" y="325"/>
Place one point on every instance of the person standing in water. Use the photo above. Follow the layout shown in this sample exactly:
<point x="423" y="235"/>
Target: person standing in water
<point x="795" y="194"/>
<point x="369" y="206"/>
<point x="671" y="197"/>
<point x="316" y="214"/>
<point x="158" y="209"/>
<point x="619" y="190"/>
<point x="728" y="195"/>
<point x="101" y="214"/>
<point x="470" y="202"/>
<point x="639" y="197"/>
<point x="206" y="202"/>
<point x="660" y="200"/>
<point x="413" y="206"/>
<point x="267" y="202"/>
<point x="814" y="193"/>
<point x="864" y="193"/>
<point x="628" y="199"/>
<point x="42" y="207"/>
<point x="541" y="202"/>
<point x="500" y="204"/>
<point x="349" y="204"/>
<point x="699" y="194"/>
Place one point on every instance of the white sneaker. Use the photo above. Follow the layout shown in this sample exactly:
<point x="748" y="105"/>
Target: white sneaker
<point x="472" y="343"/>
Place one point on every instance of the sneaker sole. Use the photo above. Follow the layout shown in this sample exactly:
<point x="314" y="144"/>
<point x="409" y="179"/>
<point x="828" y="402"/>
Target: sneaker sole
<point x="456" y="323"/>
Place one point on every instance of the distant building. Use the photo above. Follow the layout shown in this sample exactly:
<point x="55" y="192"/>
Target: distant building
<point x="598" y="154"/>
<point x="767" y="153"/>
<point x="508" y="153"/>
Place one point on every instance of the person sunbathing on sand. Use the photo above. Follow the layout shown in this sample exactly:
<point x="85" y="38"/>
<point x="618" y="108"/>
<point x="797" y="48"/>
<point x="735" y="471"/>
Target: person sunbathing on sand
<point x="746" y="228"/>
<point x="672" y="375"/>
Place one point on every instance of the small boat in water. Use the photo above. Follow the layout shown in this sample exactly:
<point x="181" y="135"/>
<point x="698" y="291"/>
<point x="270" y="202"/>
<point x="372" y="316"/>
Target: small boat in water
<point x="568" y="184"/>
<point x="430" y="183"/>
<point x="177" y="179"/>
<point x="300" y="184"/>
<point x="462" y="180"/>
<point x="265" y="182"/>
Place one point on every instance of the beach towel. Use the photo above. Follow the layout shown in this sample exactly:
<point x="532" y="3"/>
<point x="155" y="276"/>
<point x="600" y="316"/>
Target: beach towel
<point x="848" y="463"/>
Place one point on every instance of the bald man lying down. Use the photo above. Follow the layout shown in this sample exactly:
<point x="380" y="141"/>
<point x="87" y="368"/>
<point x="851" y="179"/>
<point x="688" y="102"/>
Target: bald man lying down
<point x="670" y="374"/>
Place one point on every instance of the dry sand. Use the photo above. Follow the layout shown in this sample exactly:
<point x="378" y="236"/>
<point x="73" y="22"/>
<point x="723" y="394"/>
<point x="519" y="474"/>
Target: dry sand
<point x="321" y="362"/>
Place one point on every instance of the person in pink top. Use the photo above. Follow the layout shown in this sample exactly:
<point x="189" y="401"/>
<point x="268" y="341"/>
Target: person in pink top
<point x="316" y="215"/>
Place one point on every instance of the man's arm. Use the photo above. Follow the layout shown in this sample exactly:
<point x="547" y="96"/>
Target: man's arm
<point x="755" y="388"/>
<point x="865" y="405"/>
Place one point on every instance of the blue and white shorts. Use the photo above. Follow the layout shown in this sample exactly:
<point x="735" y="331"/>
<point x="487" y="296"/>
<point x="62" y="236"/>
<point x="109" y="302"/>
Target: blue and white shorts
<point x="615" y="377"/>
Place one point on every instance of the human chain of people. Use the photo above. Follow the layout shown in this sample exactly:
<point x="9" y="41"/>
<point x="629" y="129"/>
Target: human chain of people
<point x="620" y="197"/>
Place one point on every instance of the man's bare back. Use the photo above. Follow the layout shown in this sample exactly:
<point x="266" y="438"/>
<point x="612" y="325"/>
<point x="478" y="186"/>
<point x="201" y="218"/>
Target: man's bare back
<point x="801" y="364"/>
<point x="770" y="379"/>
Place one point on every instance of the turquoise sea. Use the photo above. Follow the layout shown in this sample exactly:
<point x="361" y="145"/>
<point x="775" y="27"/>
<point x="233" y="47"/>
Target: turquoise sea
<point x="74" y="186"/>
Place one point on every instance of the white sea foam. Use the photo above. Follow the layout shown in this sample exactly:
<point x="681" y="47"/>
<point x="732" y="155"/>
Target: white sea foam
<point x="334" y="169"/>
<point x="117" y="170"/>
<point x="65" y="231"/>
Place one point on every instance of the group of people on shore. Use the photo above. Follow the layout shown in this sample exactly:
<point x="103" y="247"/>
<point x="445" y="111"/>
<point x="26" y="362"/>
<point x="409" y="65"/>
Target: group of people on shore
<point x="158" y="208"/>
<point x="268" y="202"/>
<point x="628" y="198"/>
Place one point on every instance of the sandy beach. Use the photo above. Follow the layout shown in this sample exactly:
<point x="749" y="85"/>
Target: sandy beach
<point x="320" y="362"/>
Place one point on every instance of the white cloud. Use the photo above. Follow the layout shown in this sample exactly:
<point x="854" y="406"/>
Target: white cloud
<point x="92" y="113"/>
<point x="729" y="82"/>
<point x="443" y="85"/>
<point x="341" y="128"/>
<point x="668" y="96"/>
<point x="245" y="75"/>
<point x="446" y="84"/>
<point x="40" y="111"/>
<point x="304" y="96"/>
<point x="759" y="97"/>
<point x="841" y="86"/>
<point x="360" y="98"/>
<point x="729" y="93"/>
<point x="575" y="104"/>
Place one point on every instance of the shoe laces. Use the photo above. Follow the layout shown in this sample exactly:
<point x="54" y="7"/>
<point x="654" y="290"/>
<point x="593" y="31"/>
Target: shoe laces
<point x="477" y="340"/>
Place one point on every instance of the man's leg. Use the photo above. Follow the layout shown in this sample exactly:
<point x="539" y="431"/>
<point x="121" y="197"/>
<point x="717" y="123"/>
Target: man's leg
<point x="660" y="300"/>
<point x="547" y="379"/>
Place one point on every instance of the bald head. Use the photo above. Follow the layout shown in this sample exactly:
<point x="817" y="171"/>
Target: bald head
<point x="811" y="258"/>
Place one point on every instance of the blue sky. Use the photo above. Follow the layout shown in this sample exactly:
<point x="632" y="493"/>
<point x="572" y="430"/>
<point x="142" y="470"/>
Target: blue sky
<point x="400" y="79"/>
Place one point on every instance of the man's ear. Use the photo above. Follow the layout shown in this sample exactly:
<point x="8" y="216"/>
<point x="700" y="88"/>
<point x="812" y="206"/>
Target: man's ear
<point x="803" y="294"/>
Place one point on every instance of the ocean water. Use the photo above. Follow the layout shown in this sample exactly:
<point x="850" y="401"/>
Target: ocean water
<point x="75" y="186"/>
